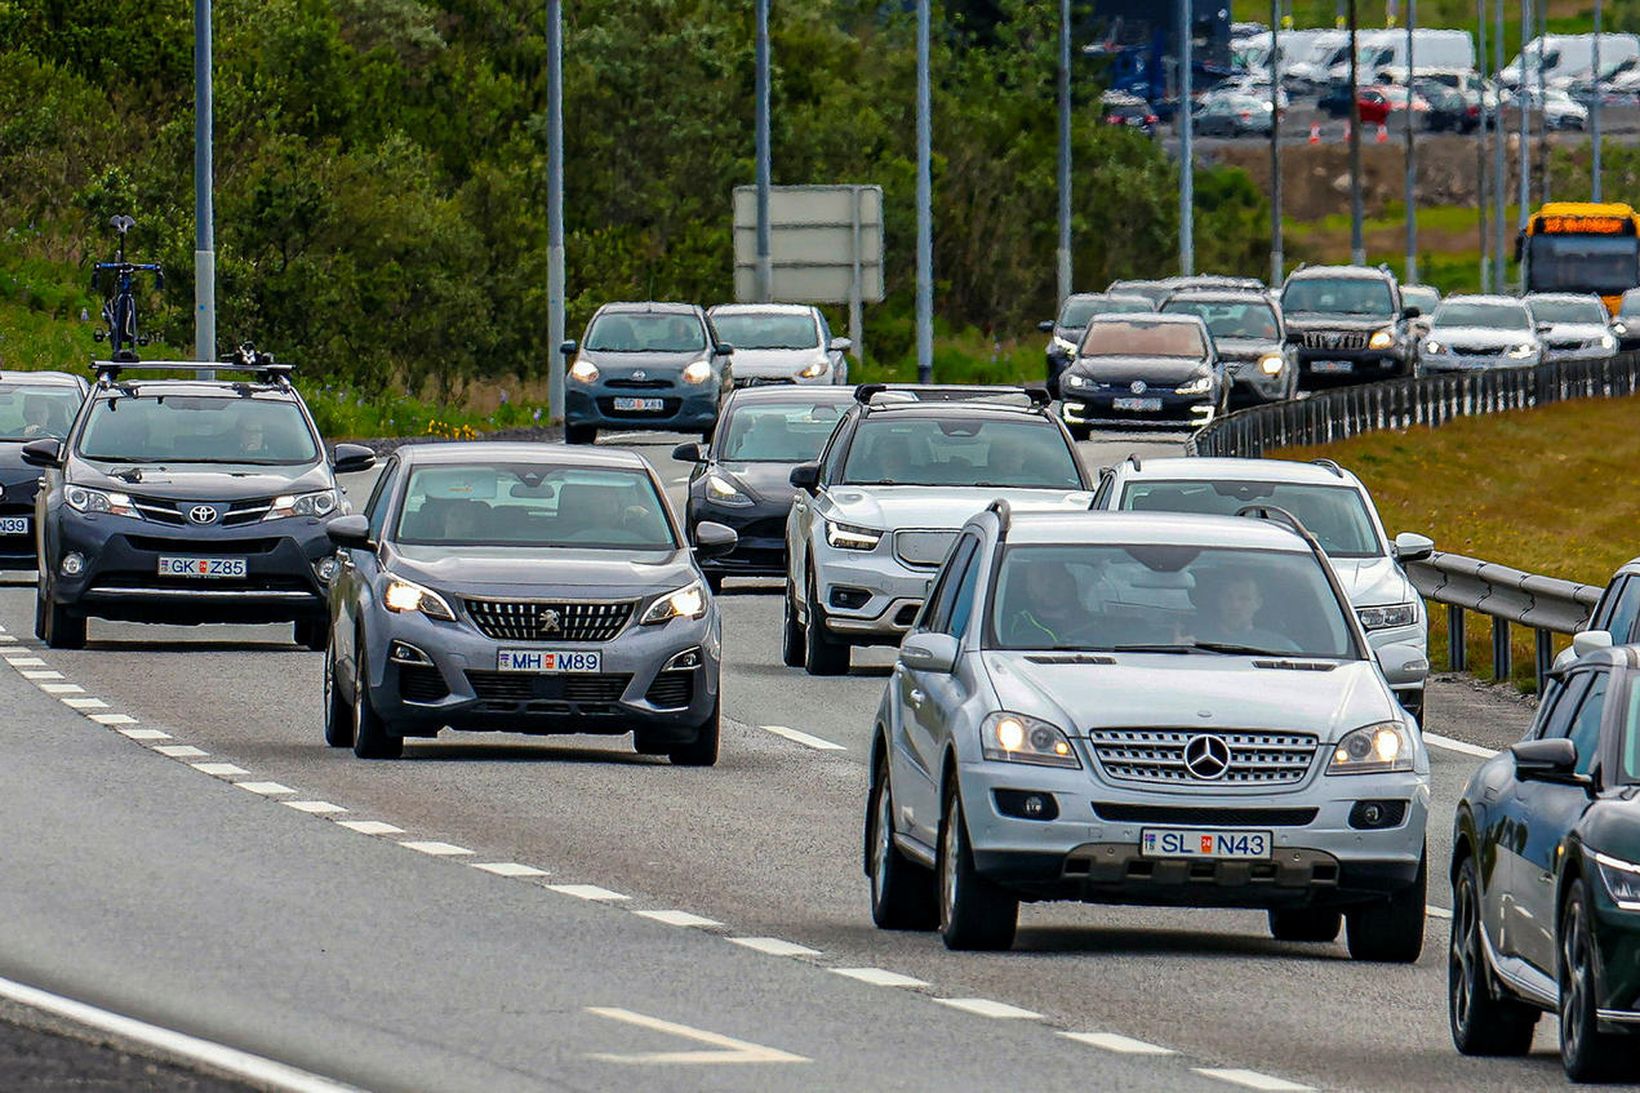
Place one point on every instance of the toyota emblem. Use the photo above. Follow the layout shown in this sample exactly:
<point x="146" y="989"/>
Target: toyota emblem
<point x="548" y="622"/>
<point x="1207" y="757"/>
<point x="202" y="514"/>
<point x="1137" y="387"/>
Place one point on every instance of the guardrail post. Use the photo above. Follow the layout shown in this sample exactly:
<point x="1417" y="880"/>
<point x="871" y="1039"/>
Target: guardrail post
<point x="1545" y="657"/>
<point x="1457" y="639"/>
<point x="1502" y="654"/>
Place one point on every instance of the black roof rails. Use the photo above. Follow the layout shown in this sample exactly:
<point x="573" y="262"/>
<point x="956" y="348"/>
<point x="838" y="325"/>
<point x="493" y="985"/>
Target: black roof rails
<point x="246" y="358"/>
<point x="1133" y="457"/>
<point x="1005" y="515"/>
<point x="1330" y="465"/>
<point x="1276" y="514"/>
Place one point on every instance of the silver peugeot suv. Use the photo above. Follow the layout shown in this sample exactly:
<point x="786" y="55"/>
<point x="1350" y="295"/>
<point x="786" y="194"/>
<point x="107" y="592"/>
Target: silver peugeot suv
<point x="1149" y="708"/>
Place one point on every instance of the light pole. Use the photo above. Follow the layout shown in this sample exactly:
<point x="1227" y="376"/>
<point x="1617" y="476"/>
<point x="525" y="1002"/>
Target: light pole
<point x="1542" y="13"/>
<point x="1525" y="130"/>
<point x="1358" y="248"/>
<point x="925" y="211"/>
<point x="1277" y="259"/>
<point x="1187" y="157"/>
<point x="1500" y="164"/>
<point x="204" y="205"/>
<point x="555" y="208"/>
<point x="1064" y="149"/>
<point x="1594" y="113"/>
<point x="763" y="272"/>
<point x="1483" y="197"/>
<point x="1412" y="163"/>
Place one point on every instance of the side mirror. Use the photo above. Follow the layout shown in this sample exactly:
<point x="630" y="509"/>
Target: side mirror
<point x="1590" y="641"/>
<point x="841" y="345"/>
<point x="1401" y="663"/>
<point x="1545" y="760"/>
<point x="806" y="476"/>
<point x="570" y="347"/>
<point x="1412" y="547"/>
<point x="929" y="653"/>
<point x="350" y="532"/>
<point x="1046" y="326"/>
<point x="1543" y="328"/>
<point x="723" y="349"/>
<point x="352" y="458"/>
<point x="45" y="452"/>
<point x="1410" y="313"/>
<point x="689" y="453"/>
<point x="714" y="540"/>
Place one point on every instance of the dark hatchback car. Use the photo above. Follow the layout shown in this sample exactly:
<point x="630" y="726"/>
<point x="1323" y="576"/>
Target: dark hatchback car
<point x="187" y="502"/>
<point x="1351" y="325"/>
<point x="645" y="366"/>
<point x="1065" y="332"/>
<point x="1144" y="371"/>
<point x="742" y="479"/>
<point x="1546" y="877"/>
<point x="33" y="406"/>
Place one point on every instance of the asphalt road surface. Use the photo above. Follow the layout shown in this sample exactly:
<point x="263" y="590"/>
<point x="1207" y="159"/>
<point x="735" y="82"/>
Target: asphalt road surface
<point x="527" y="913"/>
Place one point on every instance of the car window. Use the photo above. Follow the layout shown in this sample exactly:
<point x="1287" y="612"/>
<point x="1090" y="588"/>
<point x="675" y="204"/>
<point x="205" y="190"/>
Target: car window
<point x="1630" y="750"/>
<point x="1463" y="313"/>
<point x="1555" y="715"/>
<point x="898" y="450"/>
<point x="645" y="332"/>
<point x="1230" y="320"/>
<point x="172" y="428"/>
<point x="1078" y="311"/>
<point x="1336" y="515"/>
<point x="962" y="604"/>
<point x="381" y="499"/>
<point x="1583" y="728"/>
<point x="1567" y="309"/>
<point x="768" y="330"/>
<point x="1338" y="296"/>
<point x="533" y="505"/>
<point x="33" y="411"/>
<point x="1137" y="337"/>
<point x="784" y="432"/>
<point x="937" y="616"/>
<point x="831" y="463"/>
<point x="1625" y="607"/>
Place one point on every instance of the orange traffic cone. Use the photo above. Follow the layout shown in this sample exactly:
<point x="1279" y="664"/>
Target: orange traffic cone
<point x="1347" y="131"/>
<point x="1383" y="134"/>
<point x="1315" y="132"/>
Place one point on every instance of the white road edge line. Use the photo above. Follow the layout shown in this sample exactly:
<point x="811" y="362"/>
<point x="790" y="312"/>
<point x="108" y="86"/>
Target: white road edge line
<point x="985" y="1007"/>
<point x="370" y="827"/>
<point x="679" y="918"/>
<point x="589" y="892"/>
<point x="509" y="869"/>
<point x="774" y="946"/>
<point x="1121" y="1045"/>
<point x="181" y="751"/>
<point x="219" y="1056"/>
<point x="1252" y="1079"/>
<point x="803" y="738"/>
<point x="266" y="789"/>
<point x="314" y="808"/>
<point x="219" y="770"/>
<point x="437" y="849"/>
<point x="1462" y="747"/>
<point x="729" y="1050"/>
<point x="878" y="977"/>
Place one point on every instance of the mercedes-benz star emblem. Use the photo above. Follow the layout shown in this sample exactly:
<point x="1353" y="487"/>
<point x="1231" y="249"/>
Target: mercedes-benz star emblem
<point x="1137" y="387"/>
<point x="1207" y="757"/>
<point x="202" y="514"/>
<point x="548" y="622"/>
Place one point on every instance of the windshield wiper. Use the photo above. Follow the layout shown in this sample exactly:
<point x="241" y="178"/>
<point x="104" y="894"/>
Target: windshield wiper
<point x="1223" y="647"/>
<point x="1157" y="647"/>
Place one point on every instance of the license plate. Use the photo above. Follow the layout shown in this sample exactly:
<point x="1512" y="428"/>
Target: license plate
<point x="13" y="525"/>
<point x="1333" y="367"/>
<point x="1142" y="404"/>
<point x="547" y="661"/>
<point x="651" y="405"/>
<point x="202" y="567"/>
<point x="1195" y="842"/>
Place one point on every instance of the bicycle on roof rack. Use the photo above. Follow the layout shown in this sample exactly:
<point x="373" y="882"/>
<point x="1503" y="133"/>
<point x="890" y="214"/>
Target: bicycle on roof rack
<point x="119" y="310"/>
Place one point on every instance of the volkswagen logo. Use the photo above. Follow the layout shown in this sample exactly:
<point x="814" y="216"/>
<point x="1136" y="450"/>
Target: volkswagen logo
<point x="1137" y="387"/>
<point x="639" y="374"/>
<point x="202" y="514"/>
<point x="1207" y="757"/>
<point x="548" y="621"/>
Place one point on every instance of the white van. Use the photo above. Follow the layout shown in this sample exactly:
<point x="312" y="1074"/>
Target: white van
<point x="1568" y="57"/>
<point x="1432" y="51"/>
<point x="1319" y="52"/>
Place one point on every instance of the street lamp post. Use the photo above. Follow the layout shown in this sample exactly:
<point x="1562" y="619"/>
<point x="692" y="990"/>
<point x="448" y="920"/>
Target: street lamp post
<point x="555" y="208"/>
<point x="1412" y="163"/>
<point x="1358" y="248"/>
<point x="1483" y="198"/>
<point x="763" y="272"/>
<point x="1277" y="258"/>
<point x="204" y="205"/>
<point x="1187" y="157"/>
<point x="1594" y="114"/>
<point x="1064" y="149"/>
<point x="925" y="212"/>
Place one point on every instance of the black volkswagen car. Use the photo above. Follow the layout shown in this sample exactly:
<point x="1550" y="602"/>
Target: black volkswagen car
<point x="33" y="406"/>
<point x="187" y="502"/>
<point x="1144" y="370"/>
<point x="1065" y="332"/>
<point x="742" y="479"/>
<point x="1546" y="876"/>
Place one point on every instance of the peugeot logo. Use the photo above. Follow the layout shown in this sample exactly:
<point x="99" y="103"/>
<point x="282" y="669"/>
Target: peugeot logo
<point x="548" y="621"/>
<point x="202" y="514"/>
<point x="1207" y="757"/>
<point x="639" y="374"/>
<point x="1137" y="387"/>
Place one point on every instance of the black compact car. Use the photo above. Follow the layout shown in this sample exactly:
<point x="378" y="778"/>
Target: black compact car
<point x="1351" y="325"/>
<point x="187" y="502"/>
<point x="1144" y="371"/>
<point x="33" y="406"/>
<point x="742" y="479"/>
<point x="1546" y="877"/>
<point x="1065" y="332"/>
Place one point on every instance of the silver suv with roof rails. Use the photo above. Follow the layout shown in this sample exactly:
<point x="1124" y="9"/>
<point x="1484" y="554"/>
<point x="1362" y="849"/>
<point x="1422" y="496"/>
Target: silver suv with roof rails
<point x="1091" y="706"/>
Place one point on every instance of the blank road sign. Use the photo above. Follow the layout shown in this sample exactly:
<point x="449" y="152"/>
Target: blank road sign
<point x="825" y="243"/>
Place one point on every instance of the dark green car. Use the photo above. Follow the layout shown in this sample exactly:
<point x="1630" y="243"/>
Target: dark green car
<point x="1546" y="877"/>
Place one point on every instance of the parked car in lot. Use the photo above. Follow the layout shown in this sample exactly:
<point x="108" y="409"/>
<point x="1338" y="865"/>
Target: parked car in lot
<point x="1375" y="104"/>
<point x="1249" y="337"/>
<point x="1065" y="332"/>
<point x="1545" y="876"/>
<point x="1626" y="323"/>
<point x="742" y="479"/>
<point x="1572" y="326"/>
<point x="1351" y="323"/>
<point x="781" y="343"/>
<point x="522" y="588"/>
<point x="645" y="366"/>
<point x="1234" y="116"/>
<point x="1448" y="111"/>
<point x="1558" y="109"/>
<point x="1129" y="112"/>
<point x="1144" y="708"/>
<point x="1144" y="371"/>
<point x="33" y="406"/>
<point x="1477" y="333"/>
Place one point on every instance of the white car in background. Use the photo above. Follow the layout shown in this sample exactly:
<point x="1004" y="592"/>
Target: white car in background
<point x="1478" y="333"/>
<point x="1572" y="326"/>
<point x="781" y="343"/>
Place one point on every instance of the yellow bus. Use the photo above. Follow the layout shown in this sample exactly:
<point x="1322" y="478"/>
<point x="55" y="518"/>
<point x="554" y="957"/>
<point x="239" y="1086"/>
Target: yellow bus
<point x="1579" y="246"/>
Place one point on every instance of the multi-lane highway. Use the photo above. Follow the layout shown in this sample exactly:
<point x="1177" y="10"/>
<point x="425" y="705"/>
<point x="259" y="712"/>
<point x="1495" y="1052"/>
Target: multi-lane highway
<point x="502" y="912"/>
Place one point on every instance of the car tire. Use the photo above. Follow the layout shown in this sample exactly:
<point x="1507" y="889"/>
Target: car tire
<point x="702" y="751"/>
<point x="714" y="581"/>
<point x="1306" y="924"/>
<point x="793" y="644"/>
<point x="823" y="655"/>
<point x="974" y="914"/>
<point x="312" y="634"/>
<point x="62" y="629"/>
<point x="1587" y="1054"/>
<point x="1482" y="1023"/>
<point x="1391" y="930"/>
<point x="338" y="712"/>
<point x="373" y="737"/>
<point x="580" y="434"/>
<point x="902" y="892"/>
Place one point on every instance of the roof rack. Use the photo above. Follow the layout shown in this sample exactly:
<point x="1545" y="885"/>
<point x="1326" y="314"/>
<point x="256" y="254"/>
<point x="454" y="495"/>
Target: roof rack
<point x="866" y="393"/>
<point x="1330" y="465"/>
<point x="246" y="358"/>
<point x="1133" y="458"/>
<point x="1005" y="515"/>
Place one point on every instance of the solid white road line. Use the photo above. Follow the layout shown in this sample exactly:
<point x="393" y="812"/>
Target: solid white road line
<point x="181" y="751"/>
<point x="437" y="849"/>
<point x="985" y="1007"/>
<point x="219" y="770"/>
<point x="1121" y="1045"/>
<point x="679" y="918"/>
<point x="84" y="703"/>
<point x="255" y="1068"/>
<point x="112" y="719"/>
<point x="371" y="827"/>
<point x="729" y="1050"/>
<point x="774" y="946"/>
<point x="314" y="808"/>
<point x="588" y="891"/>
<point x="804" y="738"/>
<point x="879" y="977"/>
<point x="266" y="789"/>
<point x="509" y="869"/>
<point x="1252" y="1079"/>
<point x="144" y="734"/>
<point x="1462" y="747"/>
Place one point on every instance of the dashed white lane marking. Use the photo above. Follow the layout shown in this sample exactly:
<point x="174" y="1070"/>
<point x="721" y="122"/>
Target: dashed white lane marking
<point x="588" y="891"/>
<point x="144" y="734"/>
<point x="25" y="662"/>
<point x="879" y="977"/>
<point x="219" y="770"/>
<point x="1437" y="912"/>
<point x="986" y="1007"/>
<point x="112" y="718"/>
<point x="437" y="849"/>
<point x="371" y="827"/>
<point x="803" y="738"/>
<point x="1462" y="747"/>
<point x="62" y="688"/>
<point x="509" y="869"/>
<point x="728" y="1049"/>
<point x="679" y="918"/>
<point x="1252" y="1079"/>
<point x="266" y="789"/>
<point x="257" y="1069"/>
<point x="1121" y="1045"/>
<point x="84" y="703"/>
<point x="775" y="946"/>
<point x="314" y="808"/>
<point x="181" y="751"/>
<point x="40" y="673"/>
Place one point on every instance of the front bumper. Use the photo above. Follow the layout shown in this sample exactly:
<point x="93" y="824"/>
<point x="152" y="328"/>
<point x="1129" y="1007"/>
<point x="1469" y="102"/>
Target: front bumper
<point x="869" y="597"/>
<point x="684" y="408"/>
<point x="1350" y="365"/>
<point x="761" y="526"/>
<point x="1444" y="363"/>
<point x="18" y="551"/>
<point x="1617" y="943"/>
<point x="1558" y="355"/>
<point x="1251" y="381"/>
<point x="1098" y="407"/>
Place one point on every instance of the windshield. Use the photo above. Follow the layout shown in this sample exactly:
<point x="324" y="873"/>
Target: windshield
<point x="1166" y="598"/>
<point x="533" y="505"/>
<point x="1078" y="312"/>
<point x="1602" y="264"/>
<point x="644" y="332"/>
<point x="768" y="331"/>
<point x="1631" y="304"/>
<point x="1498" y="316"/>
<point x="896" y="450"/>
<point x="1588" y="311"/>
<point x="33" y="411"/>
<point x="1339" y="296"/>
<point x="1231" y="320"/>
<point x="1153" y="291"/>
<point x="1631" y="737"/>
<point x="197" y="429"/>
<point x="785" y="432"/>
<point x="1336" y="515"/>
<point x="1125" y="338"/>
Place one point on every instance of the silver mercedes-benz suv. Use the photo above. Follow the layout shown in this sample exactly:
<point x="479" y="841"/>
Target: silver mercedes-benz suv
<point x="1145" y="708"/>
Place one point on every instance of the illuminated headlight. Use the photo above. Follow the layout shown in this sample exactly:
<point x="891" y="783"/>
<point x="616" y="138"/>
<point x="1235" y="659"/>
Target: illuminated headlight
<point x="115" y="504"/>
<point x="1198" y="386"/>
<point x="688" y="602"/>
<point x="1375" y="749"/>
<point x="725" y="492"/>
<point x="583" y="372"/>
<point x="1271" y="364"/>
<point x="404" y="596"/>
<point x="850" y="537"/>
<point x="1382" y="618"/>
<point x="1433" y="346"/>
<point x="1521" y="352"/>
<point x="1622" y="881"/>
<point x="322" y="503"/>
<point x="1075" y="381"/>
<point x="1064" y="345"/>
<point x="1608" y="342"/>
<point x="815" y="370"/>
<point x="698" y="372"/>
<point x="1381" y="339"/>
<point x="1016" y="738"/>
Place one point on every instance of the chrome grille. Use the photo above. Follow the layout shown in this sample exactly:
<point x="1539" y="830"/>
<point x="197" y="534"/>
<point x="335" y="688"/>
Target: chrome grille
<point x="1157" y="756"/>
<point x="229" y="513"/>
<point x="1335" y="339"/>
<point x="923" y="548"/>
<point x="527" y="620"/>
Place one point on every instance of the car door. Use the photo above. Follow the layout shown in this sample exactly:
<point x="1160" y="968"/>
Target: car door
<point x="355" y="577"/>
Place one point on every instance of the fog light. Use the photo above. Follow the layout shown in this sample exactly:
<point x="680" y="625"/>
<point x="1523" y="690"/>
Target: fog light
<point x="73" y="564"/>
<point x="1024" y="804"/>
<point x="402" y="652"/>
<point x="684" y="661"/>
<point x="328" y="568"/>
<point x="850" y="599"/>
<point x="1377" y="815"/>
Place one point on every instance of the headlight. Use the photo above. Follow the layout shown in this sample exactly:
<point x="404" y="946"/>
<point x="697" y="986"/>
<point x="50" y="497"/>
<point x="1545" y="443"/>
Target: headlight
<point x="1198" y="386"/>
<point x="724" y="492"/>
<point x="1381" y="339"/>
<point x="1064" y="345"/>
<point x="698" y="372"/>
<point x="688" y="602"/>
<point x="405" y="596"/>
<point x="851" y="537"/>
<point x="1621" y="329"/>
<point x="1622" y="880"/>
<point x="1382" y="618"/>
<point x="1375" y="749"/>
<point x="583" y="372"/>
<point x="1271" y="364"/>
<point x="115" y="504"/>
<point x="1075" y="381"/>
<point x="322" y="503"/>
<point x="1521" y="352"/>
<point x="1608" y="342"/>
<point x="816" y="369"/>
<point x="1015" y="738"/>
<point x="1433" y="346"/>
